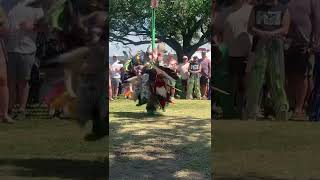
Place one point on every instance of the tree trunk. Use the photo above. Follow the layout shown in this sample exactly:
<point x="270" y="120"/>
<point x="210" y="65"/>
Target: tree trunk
<point x="182" y="51"/>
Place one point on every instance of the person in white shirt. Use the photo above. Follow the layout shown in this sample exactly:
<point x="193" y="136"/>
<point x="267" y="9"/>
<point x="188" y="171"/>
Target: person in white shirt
<point x="4" y="91"/>
<point x="115" y="76"/>
<point x="21" y="47"/>
<point x="183" y="70"/>
<point x="232" y="25"/>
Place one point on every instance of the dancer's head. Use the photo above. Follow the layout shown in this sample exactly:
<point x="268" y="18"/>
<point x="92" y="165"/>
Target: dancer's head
<point x="185" y="59"/>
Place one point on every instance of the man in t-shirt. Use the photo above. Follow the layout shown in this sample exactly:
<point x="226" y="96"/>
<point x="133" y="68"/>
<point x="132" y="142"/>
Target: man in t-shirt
<point x="269" y="23"/>
<point x="184" y="73"/>
<point x="172" y="64"/>
<point x="21" y="47"/>
<point x="115" y="76"/>
<point x="315" y="99"/>
<point x="205" y="74"/>
<point x="194" y="79"/>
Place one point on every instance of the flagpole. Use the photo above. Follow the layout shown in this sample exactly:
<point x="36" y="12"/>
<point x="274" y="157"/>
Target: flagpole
<point x="153" y="29"/>
<point x="154" y="5"/>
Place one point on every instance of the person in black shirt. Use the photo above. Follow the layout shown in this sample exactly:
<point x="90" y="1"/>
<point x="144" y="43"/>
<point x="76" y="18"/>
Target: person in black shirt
<point x="194" y="79"/>
<point x="269" y="23"/>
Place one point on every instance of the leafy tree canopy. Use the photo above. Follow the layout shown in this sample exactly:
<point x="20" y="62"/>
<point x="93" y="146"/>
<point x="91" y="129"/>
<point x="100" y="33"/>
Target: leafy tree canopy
<point x="182" y="24"/>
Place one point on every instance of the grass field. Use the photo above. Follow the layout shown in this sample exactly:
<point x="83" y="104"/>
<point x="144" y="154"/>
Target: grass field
<point x="266" y="150"/>
<point x="172" y="145"/>
<point x="50" y="149"/>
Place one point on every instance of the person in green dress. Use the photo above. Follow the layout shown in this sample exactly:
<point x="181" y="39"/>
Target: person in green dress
<point x="194" y="79"/>
<point x="269" y="23"/>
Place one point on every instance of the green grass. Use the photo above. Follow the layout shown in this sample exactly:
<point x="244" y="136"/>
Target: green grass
<point x="171" y="145"/>
<point x="41" y="148"/>
<point x="245" y="150"/>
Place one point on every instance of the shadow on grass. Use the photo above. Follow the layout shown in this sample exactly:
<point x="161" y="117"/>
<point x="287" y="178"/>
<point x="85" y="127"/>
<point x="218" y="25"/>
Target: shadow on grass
<point x="135" y="115"/>
<point x="180" y="145"/>
<point x="247" y="177"/>
<point x="57" y="168"/>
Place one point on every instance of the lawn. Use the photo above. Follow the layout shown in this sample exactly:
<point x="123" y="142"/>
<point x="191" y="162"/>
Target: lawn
<point x="175" y="144"/>
<point x="245" y="150"/>
<point x="50" y="149"/>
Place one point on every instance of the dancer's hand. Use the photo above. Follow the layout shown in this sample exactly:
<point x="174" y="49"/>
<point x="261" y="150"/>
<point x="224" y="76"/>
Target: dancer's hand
<point x="27" y="25"/>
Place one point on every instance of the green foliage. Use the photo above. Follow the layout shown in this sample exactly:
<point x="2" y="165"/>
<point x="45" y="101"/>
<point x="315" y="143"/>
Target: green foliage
<point x="183" y="24"/>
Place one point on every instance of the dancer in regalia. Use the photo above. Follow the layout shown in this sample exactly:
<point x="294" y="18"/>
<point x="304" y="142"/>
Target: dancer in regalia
<point x="151" y="82"/>
<point x="87" y="52"/>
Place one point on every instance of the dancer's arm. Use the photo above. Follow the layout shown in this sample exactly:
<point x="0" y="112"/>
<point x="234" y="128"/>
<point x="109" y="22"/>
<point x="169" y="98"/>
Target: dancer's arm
<point x="68" y="82"/>
<point x="74" y="55"/>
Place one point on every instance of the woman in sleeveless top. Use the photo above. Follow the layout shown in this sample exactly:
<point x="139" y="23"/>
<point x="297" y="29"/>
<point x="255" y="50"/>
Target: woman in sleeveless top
<point x="4" y="92"/>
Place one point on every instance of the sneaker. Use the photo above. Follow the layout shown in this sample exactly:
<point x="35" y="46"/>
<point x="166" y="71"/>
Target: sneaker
<point x="21" y="115"/>
<point x="51" y="112"/>
<point x="204" y="98"/>
<point x="95" y="136"/>
<point x="299" y="117"/>
<point x="8" y="120"/>
<point x="282" y="116"/>
<point x="12" y="114"/>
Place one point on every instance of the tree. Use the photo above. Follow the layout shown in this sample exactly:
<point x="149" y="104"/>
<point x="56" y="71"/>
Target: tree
<point x="182" y="24"/>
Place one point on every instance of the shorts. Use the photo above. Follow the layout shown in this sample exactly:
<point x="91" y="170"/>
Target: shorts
<point x="20" y="66"/>
<point x="3" y="69"/>
<point x="115" y="82"/>
<point x="237" y="66"/>
<point x="204" y="80"/>
<point x="300" y="62"/>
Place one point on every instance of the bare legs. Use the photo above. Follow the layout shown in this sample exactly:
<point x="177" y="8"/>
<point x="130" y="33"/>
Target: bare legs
<point x="4" y="94"/>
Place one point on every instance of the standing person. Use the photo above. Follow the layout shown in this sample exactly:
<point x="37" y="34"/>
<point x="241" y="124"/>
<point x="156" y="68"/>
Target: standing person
<point x="232" y="29"/>
<point x="315" y="97"/>
<point x="269" y="22"/>
<point x="300" y="59"/>
<point x="194" y="78"/>
<point x="173" y="65"/>
<point x="21" y="47"/>
<point x="4" y="91"/>
<point x="115" y="76"/>
<point x="205" y="74"/>
<point x="110" y="85"/>
<point x="91" y="90"/>
<point x="184" y="73"/>
<point x="238" y="42"/>
<point x="92" y="104"/>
